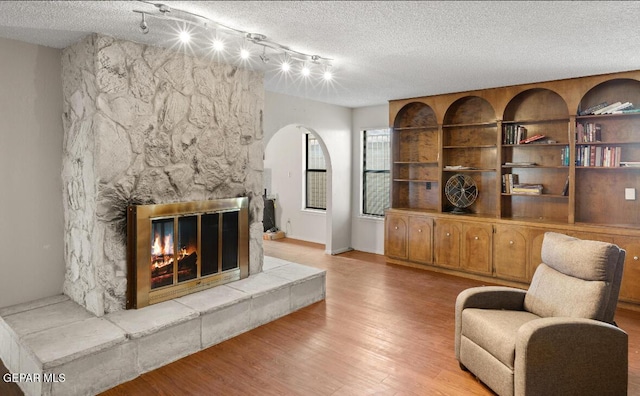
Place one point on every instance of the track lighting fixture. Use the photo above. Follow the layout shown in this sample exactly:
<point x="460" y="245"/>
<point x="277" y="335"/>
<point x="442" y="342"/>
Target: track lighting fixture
<point x="291" y="59"/>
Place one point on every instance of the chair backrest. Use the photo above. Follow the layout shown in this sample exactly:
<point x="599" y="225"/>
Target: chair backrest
<point x="577" y="278"/>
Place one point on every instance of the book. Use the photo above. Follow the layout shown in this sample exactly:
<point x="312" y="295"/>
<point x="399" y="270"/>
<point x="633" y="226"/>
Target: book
<point x="625" y="105"/>
<point x="605" y="109"/>
<point x="532" y="139"/>
<point x="627" y="111"/>
<point x="565" y="190"/>
<point x="590" y="110"/>
<point x="533" y="189"/>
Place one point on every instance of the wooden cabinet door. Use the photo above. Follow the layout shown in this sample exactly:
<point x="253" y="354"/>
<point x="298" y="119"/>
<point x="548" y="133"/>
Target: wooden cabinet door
<point x="630" y="288"/>
<point x="395" y="241"/>
<point x="510" y="253"/>
<point x="420" y="234"/>
<point x="476" y="248"/>
<point x="536" y="236"/>
<point x="447" y="243"/>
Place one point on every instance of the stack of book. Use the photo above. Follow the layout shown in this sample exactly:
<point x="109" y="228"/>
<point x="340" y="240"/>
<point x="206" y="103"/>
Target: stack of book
<point x="606" y="108"/>
<point x="508" y="181"/>
<point x="513" y="134"/>
<point x="588" y="132"/>
<point x="605" y="156"/>
<point x="564" y="156"/>
<point x="530" y="189"/>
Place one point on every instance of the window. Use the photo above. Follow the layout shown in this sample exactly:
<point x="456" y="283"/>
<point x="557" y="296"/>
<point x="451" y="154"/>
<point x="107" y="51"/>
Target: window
<point x="316" y="174"/>
<point x="375" y="172"/>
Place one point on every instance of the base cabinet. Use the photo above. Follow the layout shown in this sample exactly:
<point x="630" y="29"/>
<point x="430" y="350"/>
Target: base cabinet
<point x="511" y="253"/>
<point x="492" y="249"/>
<point x="447" y="243"/>
<point x="420" y="239"/>
<point x="395" y="240"/>
<point x="630" y="288"/>
<point x="476" y="248"/>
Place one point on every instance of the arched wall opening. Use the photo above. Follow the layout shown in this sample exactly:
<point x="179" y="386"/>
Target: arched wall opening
<point x="284" y="165"/>
<point x="332" y="124"/>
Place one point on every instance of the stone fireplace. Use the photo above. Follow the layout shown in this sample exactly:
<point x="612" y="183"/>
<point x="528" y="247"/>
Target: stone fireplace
<point x="173" y="142"/>
<point x="181" y="248"/>
<point x="147" y="125"/>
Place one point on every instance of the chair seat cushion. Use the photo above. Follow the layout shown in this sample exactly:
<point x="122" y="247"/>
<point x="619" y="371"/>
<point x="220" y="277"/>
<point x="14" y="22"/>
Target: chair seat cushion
<point x="495" y="330"/>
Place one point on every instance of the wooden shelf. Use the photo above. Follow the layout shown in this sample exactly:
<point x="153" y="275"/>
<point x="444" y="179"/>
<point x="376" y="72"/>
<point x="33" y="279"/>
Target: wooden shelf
<point x="532" y="121"/>
<point x="416" y="162"/>
<point x="594" y="116"/>
<point x="536" y="195"/>
<point x="609" y="168"/>
<point x="472" y="124"/>
<point x="479" y="146"/>
<point x="416" y="128"/>
<point x="612" y="143"/>
<point x="469" y="170"/>
<point x="415" y="180"/>
<point x="535" y="167"/>
<point x="534" y="145"/>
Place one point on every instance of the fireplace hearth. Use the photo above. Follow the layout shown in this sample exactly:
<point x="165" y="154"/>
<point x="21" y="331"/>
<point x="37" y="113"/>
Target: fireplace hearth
<point x="181" y="248"/>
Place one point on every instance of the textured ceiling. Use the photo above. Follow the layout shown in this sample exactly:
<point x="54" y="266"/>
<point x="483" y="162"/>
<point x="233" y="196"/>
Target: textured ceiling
<point x="382" y="50"/>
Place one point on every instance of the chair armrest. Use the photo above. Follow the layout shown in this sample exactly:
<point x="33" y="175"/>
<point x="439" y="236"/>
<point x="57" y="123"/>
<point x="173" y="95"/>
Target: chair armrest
<point x="491" y="297"/>
<point x="486" y="297"/>
<point x="575" y="356"/>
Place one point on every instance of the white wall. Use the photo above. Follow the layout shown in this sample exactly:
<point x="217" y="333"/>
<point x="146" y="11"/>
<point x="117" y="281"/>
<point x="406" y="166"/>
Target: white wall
<point x="31" y="133"/>
<point x="367" y="232"/>
<point x="284" y="156"/>
<point x="332" y="124"/>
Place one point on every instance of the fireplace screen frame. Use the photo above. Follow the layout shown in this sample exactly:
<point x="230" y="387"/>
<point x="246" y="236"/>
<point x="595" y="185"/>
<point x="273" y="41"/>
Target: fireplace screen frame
<point x="139" y="229"/>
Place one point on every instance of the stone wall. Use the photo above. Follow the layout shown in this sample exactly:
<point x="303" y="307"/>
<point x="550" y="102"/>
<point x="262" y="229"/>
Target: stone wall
<point x="149" y="125"/>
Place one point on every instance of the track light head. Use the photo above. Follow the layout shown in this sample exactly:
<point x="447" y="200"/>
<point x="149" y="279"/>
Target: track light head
<point x="255" y="37"/>
<point x="144" y="27"/>
<point x="163" y="8"/>
<point x="264" y="57"/>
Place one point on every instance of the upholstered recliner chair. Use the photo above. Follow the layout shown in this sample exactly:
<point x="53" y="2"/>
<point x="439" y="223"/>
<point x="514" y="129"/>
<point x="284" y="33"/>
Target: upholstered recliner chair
<point x="558" y="337"/>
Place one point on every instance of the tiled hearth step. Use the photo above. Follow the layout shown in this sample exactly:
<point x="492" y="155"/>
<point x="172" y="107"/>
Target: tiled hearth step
<point x="68" y="351"/>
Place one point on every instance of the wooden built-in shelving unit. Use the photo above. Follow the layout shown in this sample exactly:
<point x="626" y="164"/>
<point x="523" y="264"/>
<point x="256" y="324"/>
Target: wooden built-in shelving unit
<point x="500" y="239"/>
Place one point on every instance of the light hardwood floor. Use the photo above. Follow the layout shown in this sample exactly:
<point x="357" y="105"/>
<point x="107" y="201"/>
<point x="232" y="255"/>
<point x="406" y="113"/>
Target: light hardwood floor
<point x="383" y="330"/>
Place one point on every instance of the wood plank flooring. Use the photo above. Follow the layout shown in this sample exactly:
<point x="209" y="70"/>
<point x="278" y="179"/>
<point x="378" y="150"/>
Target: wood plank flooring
<point x="383" y="330"/>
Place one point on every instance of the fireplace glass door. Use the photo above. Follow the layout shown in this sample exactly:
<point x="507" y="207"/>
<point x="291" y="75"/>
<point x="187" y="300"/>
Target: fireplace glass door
<point x="187" y="248"/>
<point x="210" y="236"/>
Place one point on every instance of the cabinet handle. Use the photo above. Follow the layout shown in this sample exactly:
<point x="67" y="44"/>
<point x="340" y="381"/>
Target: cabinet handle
<point x="419" y="229"/>
<point x="476" y="238"/>
<point x="635" y="258"/>
<point x="510" y="242"/>
<point x="396" y="227"/>
<point x="448" y="234"/>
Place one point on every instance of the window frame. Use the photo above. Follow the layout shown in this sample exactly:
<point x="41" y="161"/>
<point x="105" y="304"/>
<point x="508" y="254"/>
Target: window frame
<point x="365" y="171"/>
<point x="308" y="170"/>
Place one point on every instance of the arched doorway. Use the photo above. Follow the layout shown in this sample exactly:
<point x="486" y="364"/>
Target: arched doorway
<point x="285" y="181"/>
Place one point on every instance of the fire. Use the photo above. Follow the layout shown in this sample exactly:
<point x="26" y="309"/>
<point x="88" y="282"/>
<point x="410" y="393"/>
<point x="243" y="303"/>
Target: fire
<point x="162" y="250"/>
<point x="166" y="248"/>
